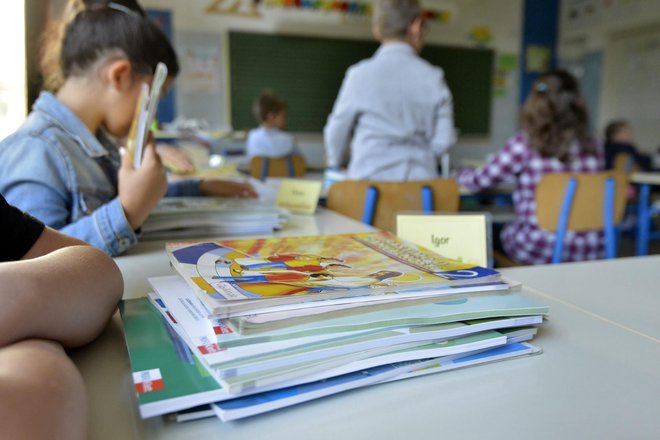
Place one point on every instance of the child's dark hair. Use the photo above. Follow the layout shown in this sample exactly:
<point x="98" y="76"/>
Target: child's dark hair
<point x="613" y="128"/>
<point x="92" y="29"/>
<point x="266" y="104"/>
<point x="555" y="116"/>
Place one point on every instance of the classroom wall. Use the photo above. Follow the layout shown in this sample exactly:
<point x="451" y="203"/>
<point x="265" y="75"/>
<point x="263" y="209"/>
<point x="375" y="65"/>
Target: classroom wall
<point x="614" y="47"/>
<point x="492" y="23"/>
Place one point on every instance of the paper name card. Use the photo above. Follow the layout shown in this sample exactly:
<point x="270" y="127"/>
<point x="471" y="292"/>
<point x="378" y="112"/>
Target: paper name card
<point x="460" y="237"/>
<point x="299" y="196"/>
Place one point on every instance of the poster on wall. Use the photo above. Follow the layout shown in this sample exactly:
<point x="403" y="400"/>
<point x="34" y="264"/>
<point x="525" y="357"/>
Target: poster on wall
<point x="537" y="58"/>
<point x="505" y="67"/>
<point x="201" y="91"/>
<point x="200" y="69"/>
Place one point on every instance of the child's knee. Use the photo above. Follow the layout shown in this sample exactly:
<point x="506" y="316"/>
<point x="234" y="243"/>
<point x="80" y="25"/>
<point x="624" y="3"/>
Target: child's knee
<point x="40" y="373"/>
<point x="37" y="377"/>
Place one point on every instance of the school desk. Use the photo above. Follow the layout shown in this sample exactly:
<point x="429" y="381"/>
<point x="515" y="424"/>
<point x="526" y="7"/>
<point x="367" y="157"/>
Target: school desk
<point x="599" y="377"/>
<point x="625" y="291"/>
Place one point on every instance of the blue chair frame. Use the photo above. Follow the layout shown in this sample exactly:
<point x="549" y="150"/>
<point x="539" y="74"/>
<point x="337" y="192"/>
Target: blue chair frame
<point x="644" y="214"/>
<point x="265" y="164"/>
<point x="608" y="212"/>
<point x="371" y="200"/>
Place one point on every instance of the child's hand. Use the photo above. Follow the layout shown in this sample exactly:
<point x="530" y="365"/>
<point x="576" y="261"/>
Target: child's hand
<point x="175" y="159"/>
<point x="226" y="188"/>
<point x="141" y="189"/>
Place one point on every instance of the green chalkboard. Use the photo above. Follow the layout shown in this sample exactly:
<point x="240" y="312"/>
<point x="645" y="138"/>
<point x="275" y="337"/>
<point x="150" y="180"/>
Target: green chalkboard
<point x="308" y="72"/>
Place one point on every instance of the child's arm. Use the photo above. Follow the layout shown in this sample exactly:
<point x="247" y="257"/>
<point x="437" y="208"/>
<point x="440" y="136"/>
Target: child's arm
<point x="36" y="178"/>
<point x="177" y="160"/>
<point x="226" y="188"/>
<point x="141" y="189"/>
<point x="507" y="162"/>
<point x="66" y="295"/>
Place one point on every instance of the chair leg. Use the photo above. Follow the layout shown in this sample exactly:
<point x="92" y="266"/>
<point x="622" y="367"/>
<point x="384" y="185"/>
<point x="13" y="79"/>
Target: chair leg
<point x="560" y="233"/>
<point x="643" y="220"/>
<point x="264" y="168"/>
<point x="427" y="199"/>
<point x="369" y="210"/>
<point x="289" y="164"/>
<point x="610" y="234"/>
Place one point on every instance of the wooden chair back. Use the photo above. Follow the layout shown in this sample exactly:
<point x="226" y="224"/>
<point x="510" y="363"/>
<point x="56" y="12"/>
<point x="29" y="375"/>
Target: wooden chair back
<point x="587" y="211"/>
<point x="348" y="198"/>
<point x="625" y="162"/>
<point x="278" y="166"/>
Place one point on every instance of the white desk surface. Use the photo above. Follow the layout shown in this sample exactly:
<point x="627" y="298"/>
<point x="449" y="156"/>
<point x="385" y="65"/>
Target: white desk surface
<point x="652" y="178"/>
<point x="625" y="290"/>
<point x="595" y="379"/>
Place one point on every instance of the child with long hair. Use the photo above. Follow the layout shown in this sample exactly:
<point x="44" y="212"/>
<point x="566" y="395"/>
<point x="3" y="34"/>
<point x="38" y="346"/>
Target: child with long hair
<point x="554" y="138"/>
<point x="62" y="165"/>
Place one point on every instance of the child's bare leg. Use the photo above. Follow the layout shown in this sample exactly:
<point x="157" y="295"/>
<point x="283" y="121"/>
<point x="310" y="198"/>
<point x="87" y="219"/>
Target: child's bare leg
<point x="42" y="394"/>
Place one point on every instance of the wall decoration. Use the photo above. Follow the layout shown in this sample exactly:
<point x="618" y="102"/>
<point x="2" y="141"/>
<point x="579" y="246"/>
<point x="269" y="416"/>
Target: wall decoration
<point x="200" y="70"/>
<point x="537" y="58"/>
<point x="241" y="8"/>
<point x="505" y="67"/>
<point x="481" y="35"/>
<point x="253" y="8"/>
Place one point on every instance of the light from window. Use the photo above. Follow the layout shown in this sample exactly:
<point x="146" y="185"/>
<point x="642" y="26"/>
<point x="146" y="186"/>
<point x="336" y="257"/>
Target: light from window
<point x="13" y="72"/>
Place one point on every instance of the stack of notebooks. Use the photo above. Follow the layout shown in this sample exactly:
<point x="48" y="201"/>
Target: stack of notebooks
<point x="181" y="217"/>
<point x="250" y="326"/>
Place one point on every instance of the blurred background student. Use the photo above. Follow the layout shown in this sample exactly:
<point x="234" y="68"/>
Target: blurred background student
<point x="62" y="165"/>
<point x="554" y="137"/>
<point x="619" y="140"/>
<point x="393" y="109"/>
<point x="56" y="293"/>
<point x="269" y="139"/>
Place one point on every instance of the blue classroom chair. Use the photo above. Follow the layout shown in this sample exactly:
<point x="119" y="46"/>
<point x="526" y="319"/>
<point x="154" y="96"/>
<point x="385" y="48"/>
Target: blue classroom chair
<point x="376" y="203"/>
<point x="584" y="202"/>
<point x="288" y="166"/>
<point x="645" y="213"/>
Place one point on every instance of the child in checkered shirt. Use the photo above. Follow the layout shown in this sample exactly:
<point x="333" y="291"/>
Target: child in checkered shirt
<point x="554" y="137"/>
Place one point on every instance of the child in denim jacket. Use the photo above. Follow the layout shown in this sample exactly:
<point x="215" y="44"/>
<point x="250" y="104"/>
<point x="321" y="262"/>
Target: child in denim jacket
<point x="61" y="165"/>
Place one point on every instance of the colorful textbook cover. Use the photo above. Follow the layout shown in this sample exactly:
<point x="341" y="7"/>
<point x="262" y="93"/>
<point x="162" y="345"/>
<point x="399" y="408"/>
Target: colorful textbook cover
<point x="231" y="274"/>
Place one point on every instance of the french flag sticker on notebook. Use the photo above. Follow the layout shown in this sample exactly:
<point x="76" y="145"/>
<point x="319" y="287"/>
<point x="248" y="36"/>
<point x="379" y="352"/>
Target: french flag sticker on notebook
<point x="148" y="380"/>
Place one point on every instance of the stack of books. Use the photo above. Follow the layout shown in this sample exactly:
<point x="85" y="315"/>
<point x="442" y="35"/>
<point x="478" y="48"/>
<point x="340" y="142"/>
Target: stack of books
<point x="181" y="217"/>
<point x="250" y="326"/>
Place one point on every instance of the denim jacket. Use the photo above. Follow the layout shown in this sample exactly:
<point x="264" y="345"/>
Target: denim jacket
<point x="54" y="168"/>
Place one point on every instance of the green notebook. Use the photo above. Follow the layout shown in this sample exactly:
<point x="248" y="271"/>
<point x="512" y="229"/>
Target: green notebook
<point x="167" y="376"/>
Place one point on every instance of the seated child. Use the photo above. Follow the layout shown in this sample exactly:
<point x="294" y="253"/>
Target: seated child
<point x="62" y="166"/>
<point x="269" y="140"/>
<point x="554" y="138"/>
<point x="619" y="139"/>
<point x="56" y="293"/>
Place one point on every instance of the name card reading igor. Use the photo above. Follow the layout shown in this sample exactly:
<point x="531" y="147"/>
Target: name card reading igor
<point x="300" y="196"/>
<point x="460" y="237"/>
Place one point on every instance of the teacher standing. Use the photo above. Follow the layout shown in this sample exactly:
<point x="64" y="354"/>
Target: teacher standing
<point x="393" y="109"/>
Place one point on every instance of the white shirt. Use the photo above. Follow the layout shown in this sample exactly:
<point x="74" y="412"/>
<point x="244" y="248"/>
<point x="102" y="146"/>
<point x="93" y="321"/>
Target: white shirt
<point x="270" y="142"/>
<point x="396" y="112"/>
